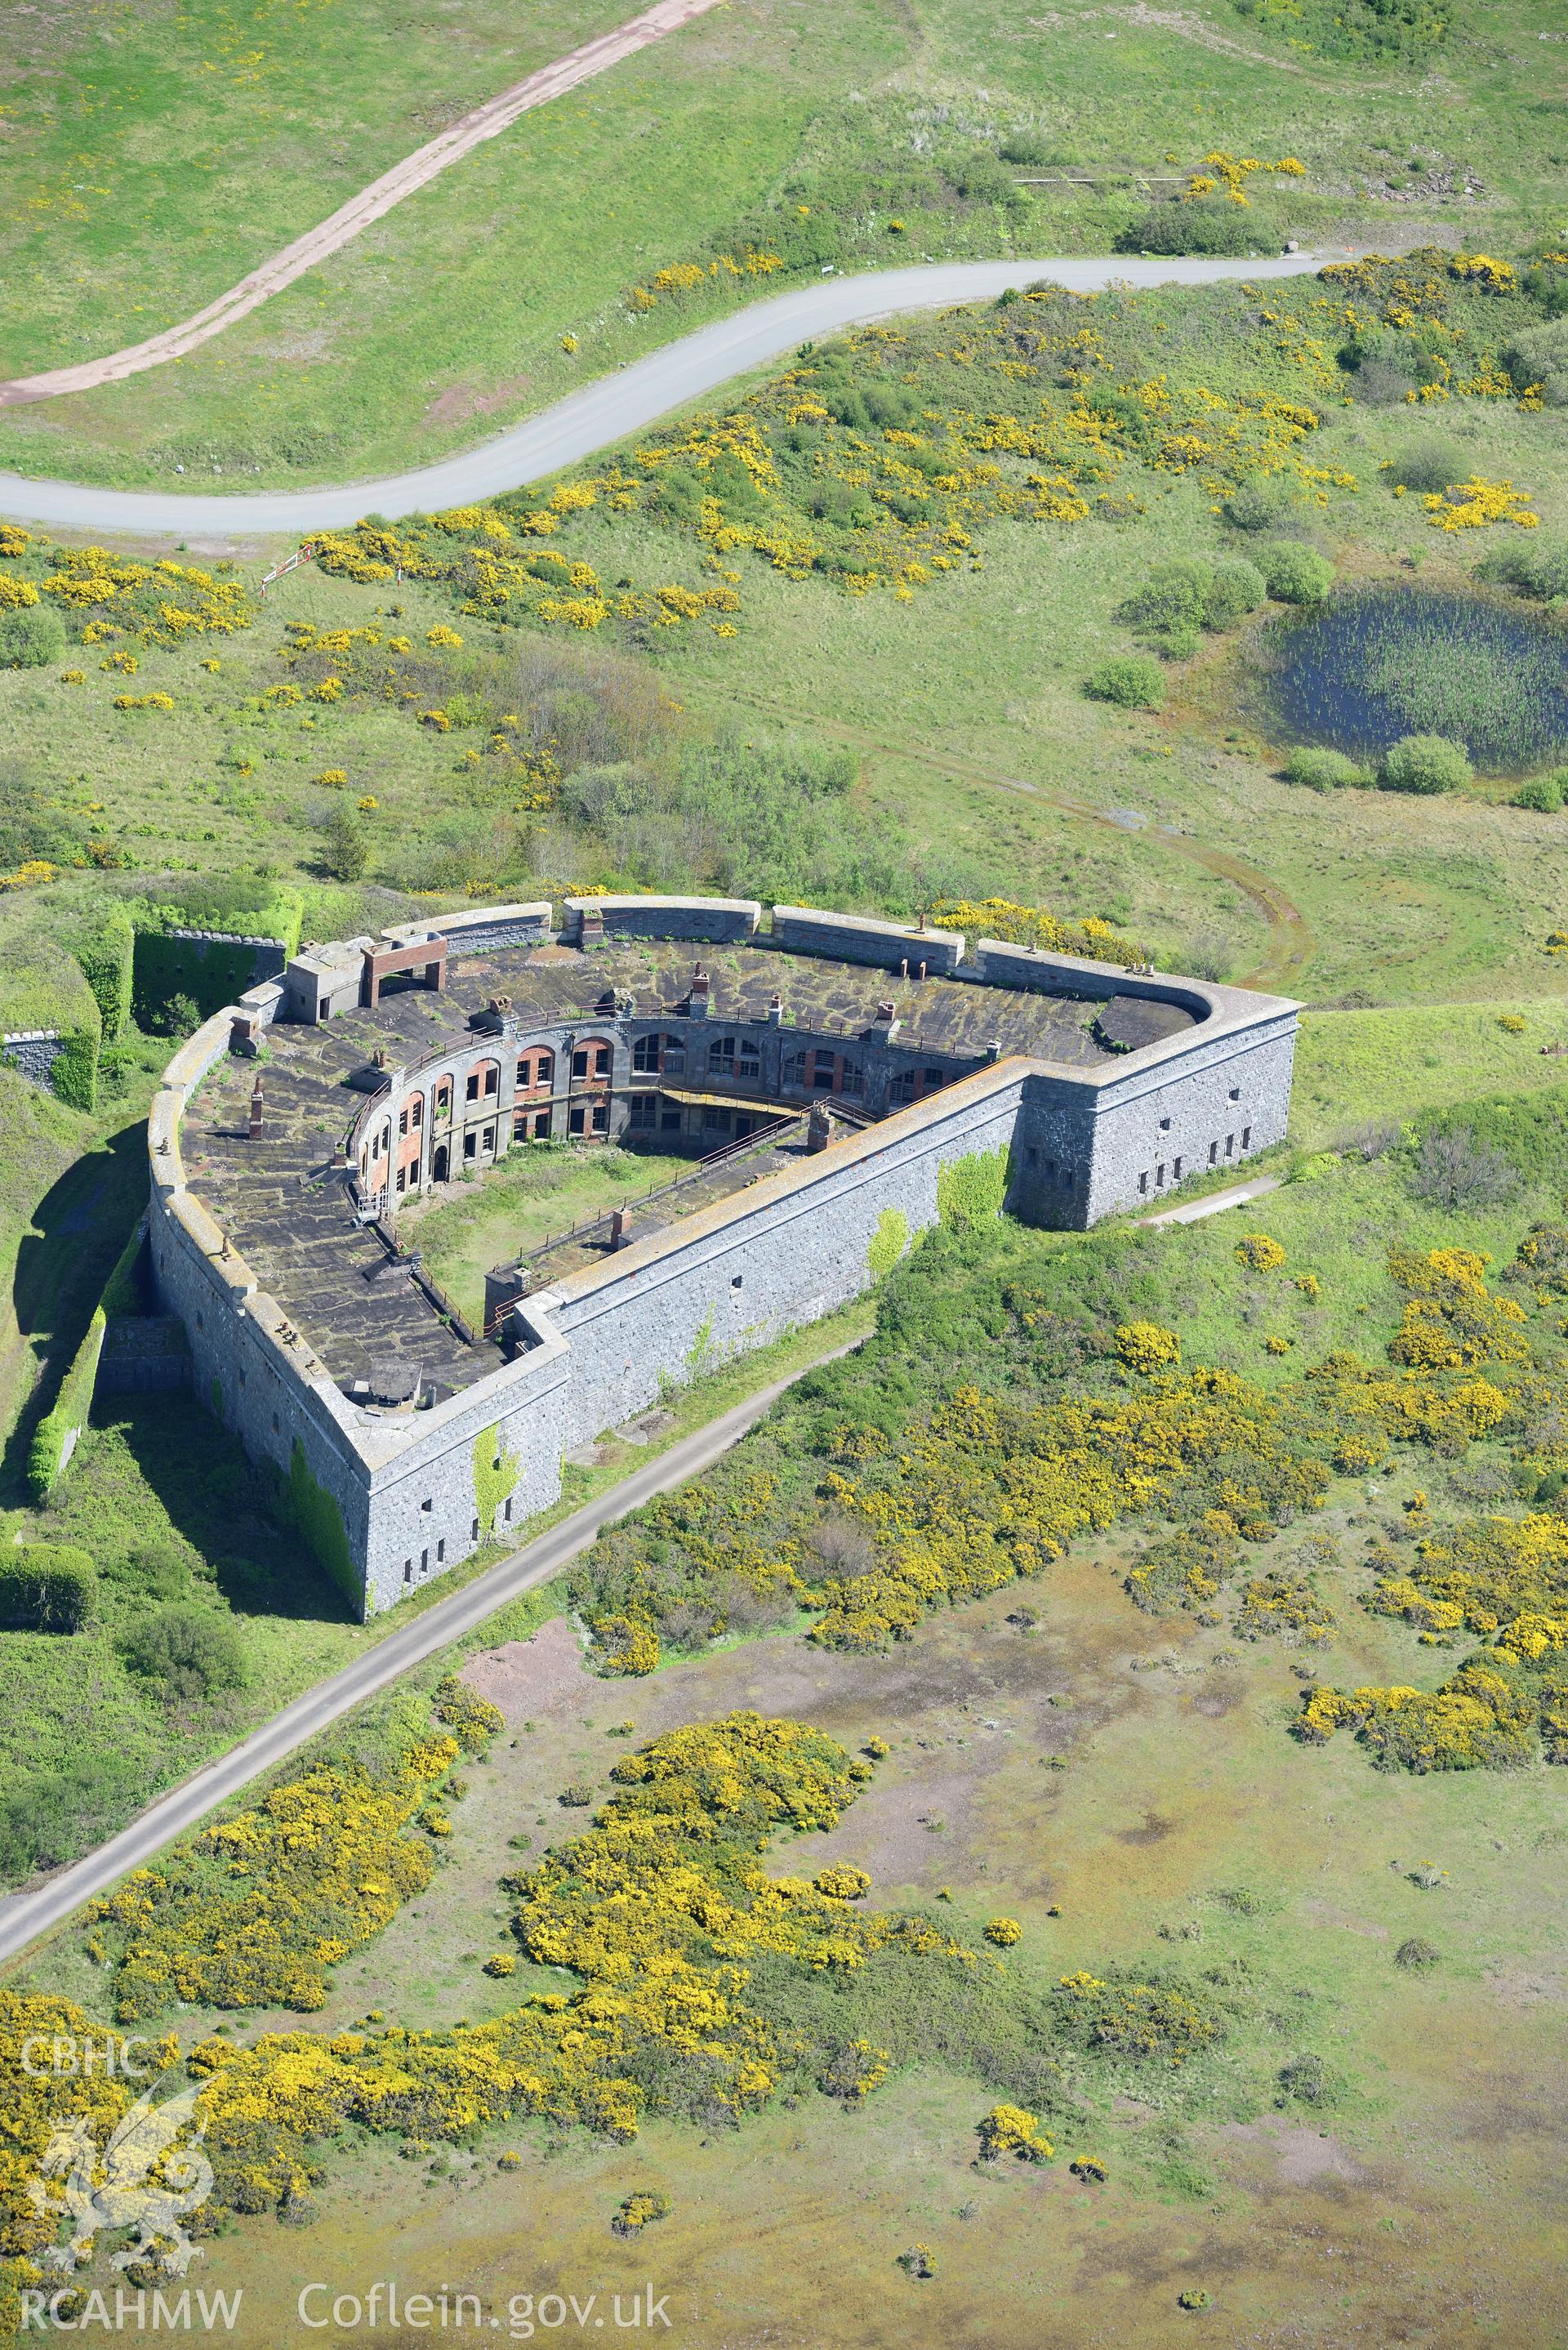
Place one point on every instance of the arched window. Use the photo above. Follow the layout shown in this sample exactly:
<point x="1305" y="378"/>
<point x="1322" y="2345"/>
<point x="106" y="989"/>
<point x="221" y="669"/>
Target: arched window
<point x="536" y="1070"/>
<point x="443" y="1098"/>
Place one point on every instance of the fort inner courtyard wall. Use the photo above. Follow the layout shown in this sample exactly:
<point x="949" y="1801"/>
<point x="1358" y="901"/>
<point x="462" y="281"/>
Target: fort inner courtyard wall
<point x="823" y="1072"/>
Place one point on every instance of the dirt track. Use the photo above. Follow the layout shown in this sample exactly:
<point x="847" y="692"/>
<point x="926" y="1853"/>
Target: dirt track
<point x="416" y="170"/>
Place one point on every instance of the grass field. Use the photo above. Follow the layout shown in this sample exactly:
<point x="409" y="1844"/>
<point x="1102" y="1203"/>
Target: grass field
<point x="532" y="1196"/>
<point x="445" y="321"/>
<point x="1124" y="1784"/>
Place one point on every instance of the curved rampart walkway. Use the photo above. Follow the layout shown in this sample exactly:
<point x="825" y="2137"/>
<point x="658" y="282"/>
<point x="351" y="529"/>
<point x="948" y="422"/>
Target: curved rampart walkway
<point x="605" y="412"/>
<point x="416" y="170"/>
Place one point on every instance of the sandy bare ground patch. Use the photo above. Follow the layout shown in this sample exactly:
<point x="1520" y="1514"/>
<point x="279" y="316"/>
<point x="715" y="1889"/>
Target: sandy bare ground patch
<point x="462" y="400"/>
<point x="1304" y="2157"/>
<point x="525" y="1679"/>
<point x="373" y="203"/>
<point x="1324" y="1913"/>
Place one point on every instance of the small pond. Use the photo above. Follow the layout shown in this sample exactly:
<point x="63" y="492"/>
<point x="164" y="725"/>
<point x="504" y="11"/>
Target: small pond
<point x="1379" y="662"/>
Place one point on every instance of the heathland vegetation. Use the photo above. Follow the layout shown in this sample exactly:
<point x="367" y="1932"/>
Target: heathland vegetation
<point x="1326" y="1435"/>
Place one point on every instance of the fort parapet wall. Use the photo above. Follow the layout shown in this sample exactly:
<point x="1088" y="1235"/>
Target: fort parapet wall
<point x="389" y="1499"/>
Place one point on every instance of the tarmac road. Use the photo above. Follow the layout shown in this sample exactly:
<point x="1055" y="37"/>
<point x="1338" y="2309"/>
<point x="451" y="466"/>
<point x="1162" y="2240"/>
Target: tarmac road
<point x="25" y="1916"/>
<point x="606" y="413"/>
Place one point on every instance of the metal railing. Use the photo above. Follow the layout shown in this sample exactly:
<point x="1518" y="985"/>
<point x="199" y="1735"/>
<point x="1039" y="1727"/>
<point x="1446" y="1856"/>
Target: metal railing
<point x="408" y="1261"/>
<point x="764" y="1135"/>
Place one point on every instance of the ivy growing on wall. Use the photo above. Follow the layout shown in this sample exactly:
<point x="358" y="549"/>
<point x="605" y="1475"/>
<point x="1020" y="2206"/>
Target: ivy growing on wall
<point x="317" y="1516"/>
<point x="888" y="1242"/>
<point x="494" y="1476"/>
<point x="103" y="949"/>
<point x="970" y="1192"/>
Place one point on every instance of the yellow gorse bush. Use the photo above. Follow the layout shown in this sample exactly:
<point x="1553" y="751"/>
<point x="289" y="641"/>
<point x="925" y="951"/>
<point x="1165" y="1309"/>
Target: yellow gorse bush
<point x="1148" y="1346"/>
<point x="1010" y="2129"/>
<point x="255" y="1909"/>
<point x="1452" y="1320"/>
<point x="1035" y="926"/>
<point x="656" y="1908"/>
<point x="1231" y="173"/>
<point x="1477" y="504"/>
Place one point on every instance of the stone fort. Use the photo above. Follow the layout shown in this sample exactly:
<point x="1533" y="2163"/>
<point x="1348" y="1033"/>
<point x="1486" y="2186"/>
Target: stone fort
<point x="821" y="1070"/>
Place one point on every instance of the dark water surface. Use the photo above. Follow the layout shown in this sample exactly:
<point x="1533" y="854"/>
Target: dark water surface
<point x="1379" y="662"/>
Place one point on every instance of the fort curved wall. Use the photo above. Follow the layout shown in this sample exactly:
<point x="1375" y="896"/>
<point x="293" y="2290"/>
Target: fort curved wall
<point x="387" y="1496"/>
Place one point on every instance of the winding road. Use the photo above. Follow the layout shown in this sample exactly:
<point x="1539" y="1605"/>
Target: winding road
<point x="607" y="412"/>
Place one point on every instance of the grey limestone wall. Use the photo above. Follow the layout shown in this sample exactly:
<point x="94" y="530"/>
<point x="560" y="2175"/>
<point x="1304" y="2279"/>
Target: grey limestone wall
<point x="851" y="938"/>
<point x="716" y="921"/>
<point x="143" y="1355"/>
<point x="1216" y="1104"/>
<point x="268" y="956"/>
<point x="242" y="1374"/>
<point x="496" y="927"/>
<point x="423" y="1515"/>
<point x="34" y="1052"/>
<point x="1040" y="973"/>
<point x="784" y="1256"/>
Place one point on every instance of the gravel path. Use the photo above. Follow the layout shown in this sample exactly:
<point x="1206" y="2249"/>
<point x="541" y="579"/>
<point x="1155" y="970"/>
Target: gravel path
<point x="606" y="413"/>
<point x="416" y="170"/>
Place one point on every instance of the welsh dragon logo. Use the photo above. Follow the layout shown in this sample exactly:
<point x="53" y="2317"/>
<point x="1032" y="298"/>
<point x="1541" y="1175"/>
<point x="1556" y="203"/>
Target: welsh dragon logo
<point x="117" y="2189"/>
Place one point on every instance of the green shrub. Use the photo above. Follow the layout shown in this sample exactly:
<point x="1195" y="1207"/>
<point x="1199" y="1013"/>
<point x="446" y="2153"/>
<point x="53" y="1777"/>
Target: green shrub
<point x="192" y="1653"/>
<point x="31" y="637"/>
<point x="1323" y="771"/>
<point x="1206" y="224"/>
<point x="50" y="1816"/>
<point x="1254" y="505"/>
<point x="1174" y="597"/>
<point x="1536" y="566"/>
<point x="47" y="1587"/>
<point x="154" y="1571"/>
<point x="1428" y="466"/>
<point x="345" y="850"/>
<point x="1542" y="793"/>
<point x="1237" y="589"/>
<point x="1189" y="593"/>
<point x="1293" y="573"/>
<point x="1423" y="763"/>
<point x="1132" y="680"/>
<point x="1538" y="356"/>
